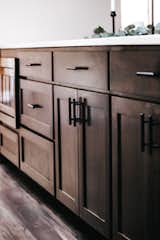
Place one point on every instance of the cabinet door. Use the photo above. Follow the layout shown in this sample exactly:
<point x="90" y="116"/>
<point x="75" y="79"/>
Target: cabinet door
<point x="9" y="93"/>
<point x="37" y="159"/>
<point x="136" y="169"/>
<point x="155" y="172"/>
<point x="9" y="145"/>
<point x="66" y="136"/>
<point x="36" y="107"/>
<point x="8" y="85"/>
<point x="94" y="161"/>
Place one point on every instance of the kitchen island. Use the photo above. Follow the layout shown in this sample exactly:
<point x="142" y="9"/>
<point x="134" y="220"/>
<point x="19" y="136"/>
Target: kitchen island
<point x="87" y="128"/>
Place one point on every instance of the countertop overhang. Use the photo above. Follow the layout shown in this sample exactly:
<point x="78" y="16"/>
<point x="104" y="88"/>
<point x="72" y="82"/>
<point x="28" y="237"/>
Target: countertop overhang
<point x="111" y="41"/>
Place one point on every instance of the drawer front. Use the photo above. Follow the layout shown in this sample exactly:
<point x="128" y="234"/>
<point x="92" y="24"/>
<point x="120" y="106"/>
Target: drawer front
<point x="136" y="72"/>
<point x="37" y="158"/>
<point x="9" y="145"/>
<point x="8" y="120"/>
<point x="36" y="66"/>
<point x="88" y="69"/>
<point x="37" y="107"/>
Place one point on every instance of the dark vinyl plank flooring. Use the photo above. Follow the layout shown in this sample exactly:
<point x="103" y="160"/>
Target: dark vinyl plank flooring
<point x="24" y="216"/>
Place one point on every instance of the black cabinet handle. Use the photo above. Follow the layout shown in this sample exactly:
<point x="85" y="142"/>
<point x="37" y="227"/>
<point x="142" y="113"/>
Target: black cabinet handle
<point x="142" y="136"/>
<point x="86" y="113"/>
<point x="150" y="123"/>
<point x="150" y="142"/>
<point x="33" y="65"/>
<point x="22" y="77"/>
<point x="74" y="113"/>
<point x="80" y="118"/>
<point x="72" y="119"/>
<point x="77" y="68"/>
<point x="148" y="74"/>
<point x="1" y="139"/>
<point x="22" y="149"/>
<point x="34" y="106"/>
<point x="70" y="111"/>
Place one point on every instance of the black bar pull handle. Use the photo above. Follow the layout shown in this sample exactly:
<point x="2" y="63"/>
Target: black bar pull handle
<point x="87" y="113"/>
<point x="1" y="139"/>
<point x="150" y="142"/>
<point x="80" y="118"/>
<point x="142" y="134"/>
<point x="34" y="106"/>
<point x="23" y="77"/>
<point x="75" y="68"/>
<point x="33" y="65"/>
<point x="148" y="74"/>
<point x="22" y="149"/>
<point x="70" y="111"/>
<point x="74" y="113"/>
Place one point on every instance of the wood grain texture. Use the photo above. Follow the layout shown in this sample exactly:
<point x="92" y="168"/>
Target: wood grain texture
<point x="9" y="145"/>
<point x="37" y="159"/>
<point x="95" y="76"/>
<point x="66" y="150"/>
<point x="123" y="68"/>
<point x="36" y="65"/>
<point x="25" y="217"/>
<point x="38" y="119"/>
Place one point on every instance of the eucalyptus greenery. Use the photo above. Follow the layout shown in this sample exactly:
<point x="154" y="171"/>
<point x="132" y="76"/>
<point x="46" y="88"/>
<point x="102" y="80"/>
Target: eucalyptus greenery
<point x="130" y="30"/>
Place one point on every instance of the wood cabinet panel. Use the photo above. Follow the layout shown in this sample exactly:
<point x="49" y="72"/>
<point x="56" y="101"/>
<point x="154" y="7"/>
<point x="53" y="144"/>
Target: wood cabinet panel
<point x="9" y="90"/>
<point x="9" y="145"/>
<point x="94" y="162"/>
<point x="37" y="159"/>
<point x="136" y="165"/>
<point x="36" y="65"/>
<point x="81" y="68"/>
<point x="37" y="107"/>
<point x="66" y="150"/>
<point x="82" y="155"/>
<point x="125" y="64"/>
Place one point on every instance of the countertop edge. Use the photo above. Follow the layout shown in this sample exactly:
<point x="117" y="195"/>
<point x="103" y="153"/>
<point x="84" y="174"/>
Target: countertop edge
<point x="92" y="42"/>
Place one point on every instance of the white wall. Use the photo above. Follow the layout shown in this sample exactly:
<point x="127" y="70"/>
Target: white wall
<point x="39" y="20"/>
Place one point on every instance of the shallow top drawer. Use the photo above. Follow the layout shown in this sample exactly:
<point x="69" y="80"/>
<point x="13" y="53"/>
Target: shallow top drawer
<point x="36" y="66"/>
<point x="136" y="72"/>
<point x="87" y="69"/>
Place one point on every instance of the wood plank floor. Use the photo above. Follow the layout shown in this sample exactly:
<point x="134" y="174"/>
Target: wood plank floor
<point x="25" y="216"/>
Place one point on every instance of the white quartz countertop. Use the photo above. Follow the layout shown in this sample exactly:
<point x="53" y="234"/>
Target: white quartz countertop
<point x="111" y="41"/>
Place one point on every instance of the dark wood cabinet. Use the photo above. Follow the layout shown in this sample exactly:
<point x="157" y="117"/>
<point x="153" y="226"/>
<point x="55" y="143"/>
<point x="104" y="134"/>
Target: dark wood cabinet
<point x="136" y="168"/>
<point x="82" y="68"/>
<point x="82" y="154"/>
<point x="36" y="65"/>
<point x="37" y="107"/>
<point x="94" y="161"/>
<point x="102" y="112"/>
<point x="9" y="145"/>
<point x="66" y="150"/>
<point x="36" y="159"/>
<point x="9" y="91"/>
<point x="135" y="72"/>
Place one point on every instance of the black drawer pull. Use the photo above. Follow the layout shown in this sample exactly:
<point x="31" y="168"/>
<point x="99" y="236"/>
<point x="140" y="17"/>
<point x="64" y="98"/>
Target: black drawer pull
<point x="23" y="77"/>
<point x="1" y="139"/>
<point x="77" y="68"/>
<point x="33" y="64"/>
<point x="33" y="106"/>
<point x="148" y="74"/>
<point x="151" y="123"/>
